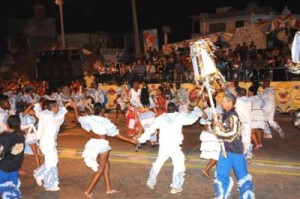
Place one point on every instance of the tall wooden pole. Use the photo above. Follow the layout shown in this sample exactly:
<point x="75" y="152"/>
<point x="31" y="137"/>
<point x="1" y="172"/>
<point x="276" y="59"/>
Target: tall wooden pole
<point x="135" y="29"/>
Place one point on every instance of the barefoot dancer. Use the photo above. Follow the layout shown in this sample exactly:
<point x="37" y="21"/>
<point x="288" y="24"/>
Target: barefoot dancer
<point x="210" y="144"/>
<point x="97" y="149"/>
<point x="28" y="122"/>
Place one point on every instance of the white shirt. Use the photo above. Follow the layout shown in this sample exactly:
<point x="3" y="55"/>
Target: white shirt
<point x="3" y="118"/>
<point x="99" y="125"/>
<point x="135" y="98"/>
<point x="170" y="127"/>
<point x="243" y="107"/>
<point x="48" y="125"/>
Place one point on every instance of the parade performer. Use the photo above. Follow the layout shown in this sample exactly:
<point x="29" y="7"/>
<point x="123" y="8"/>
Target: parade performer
<point x="28" y="122"/>
<point x="49" y="123"/>
<point x="210" y="144"/>
<point x="30" y="96"/>
<point x="160" y="102"/>
<point x="258" y="117"/>
<point x="170" y="138"/>
<point x="97" y="149"/>
<point x="12" y="144"/>
<point x="243" y="107"/>
<point x="132" y="120"/>
<point x="230" y="132"/>
<point x="270" y="108"/>
<point x="296" y="118"/>
<point x="181" y="98"/>
<point x="4" y="112"/>
<point x="121" y="101"/>
<point x="78" y="98"/>
<point x="146" y="117"/>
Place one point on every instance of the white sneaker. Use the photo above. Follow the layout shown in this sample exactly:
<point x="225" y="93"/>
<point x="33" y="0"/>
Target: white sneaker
<point x="282" y="134"/>
<point x="268" y="136"/>
<point x="176" y="190"/>
<point x="151" y="186"/>
<point x="38" y="180"/>
<point x="53" y="189"/>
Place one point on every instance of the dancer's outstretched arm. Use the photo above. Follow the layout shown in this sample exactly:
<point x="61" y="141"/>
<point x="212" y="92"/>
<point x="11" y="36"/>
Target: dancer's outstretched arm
<point x="121" y="137"/>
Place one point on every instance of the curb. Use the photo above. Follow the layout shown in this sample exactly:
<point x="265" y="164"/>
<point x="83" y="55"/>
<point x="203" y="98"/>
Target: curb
<point x="191" y="159"/>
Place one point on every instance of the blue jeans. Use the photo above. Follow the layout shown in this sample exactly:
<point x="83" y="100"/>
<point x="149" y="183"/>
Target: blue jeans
<point x="224" y="183"/>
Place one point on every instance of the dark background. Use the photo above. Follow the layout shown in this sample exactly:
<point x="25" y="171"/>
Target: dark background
<point x="115" y="16"/>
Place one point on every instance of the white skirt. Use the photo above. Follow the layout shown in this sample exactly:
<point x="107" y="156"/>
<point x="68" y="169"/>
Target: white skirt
<point x="210" y="146"/>
<point x="258" y="119"/>
<point x="92" y="149"/>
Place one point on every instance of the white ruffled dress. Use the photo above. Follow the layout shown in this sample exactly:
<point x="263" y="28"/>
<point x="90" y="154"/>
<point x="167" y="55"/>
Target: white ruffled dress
<point x="210" y="146"/>
<point x="94" y="147"/>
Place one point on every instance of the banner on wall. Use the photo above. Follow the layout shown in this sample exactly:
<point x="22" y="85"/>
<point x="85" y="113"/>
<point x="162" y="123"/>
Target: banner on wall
<point x="150" y="39"/>
<point x="287" y="94"/>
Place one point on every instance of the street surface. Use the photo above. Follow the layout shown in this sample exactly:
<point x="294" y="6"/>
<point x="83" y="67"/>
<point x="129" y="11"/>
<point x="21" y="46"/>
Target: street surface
<point x="275" y="167"/>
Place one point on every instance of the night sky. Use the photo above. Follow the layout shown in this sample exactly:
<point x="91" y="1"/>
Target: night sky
<point x="115" y="15"/>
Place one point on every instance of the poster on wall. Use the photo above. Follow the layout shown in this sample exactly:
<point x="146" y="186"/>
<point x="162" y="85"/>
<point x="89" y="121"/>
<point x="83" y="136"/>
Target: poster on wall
<point x="150" y="39"/>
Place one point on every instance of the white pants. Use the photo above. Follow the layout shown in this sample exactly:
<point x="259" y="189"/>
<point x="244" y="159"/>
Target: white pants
<point x="48" y="171"/>
<point x="270" y="120"/>
<point x="177" y="157"/>
<point x="246" y="138"/>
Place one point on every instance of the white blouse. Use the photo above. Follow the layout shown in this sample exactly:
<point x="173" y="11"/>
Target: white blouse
<point x="99" y="125"/>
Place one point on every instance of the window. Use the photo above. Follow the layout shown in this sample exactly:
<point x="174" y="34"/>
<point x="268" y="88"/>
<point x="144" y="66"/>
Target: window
<point x="217" y="27"/>
<point x="239" y="24"/>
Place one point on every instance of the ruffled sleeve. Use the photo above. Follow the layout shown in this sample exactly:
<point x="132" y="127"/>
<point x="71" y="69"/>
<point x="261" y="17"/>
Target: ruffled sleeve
<point x="85" y="123"/>
<point x="111" y="129"/>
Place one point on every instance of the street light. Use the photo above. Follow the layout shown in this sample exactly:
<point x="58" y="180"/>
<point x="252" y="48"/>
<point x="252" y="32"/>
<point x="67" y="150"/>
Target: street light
<point x="62" y="27"/>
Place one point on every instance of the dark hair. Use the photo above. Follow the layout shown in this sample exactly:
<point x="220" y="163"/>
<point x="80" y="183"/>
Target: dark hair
<point x="253" y="90"/>
<point x="171" y="107"/>
<point x="267" y="81"/>
<point x="3" y="99"/>
<point x="242" y="92"/>
<point x="14" y="122"/>
<point x="28" y="89"/>
<point x="49" y="104"/>
<point x="98" y="107"/>
<point x="161" y="89"/>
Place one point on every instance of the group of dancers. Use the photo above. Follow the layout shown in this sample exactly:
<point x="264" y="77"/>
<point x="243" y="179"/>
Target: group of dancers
<point x="155" y="118"/>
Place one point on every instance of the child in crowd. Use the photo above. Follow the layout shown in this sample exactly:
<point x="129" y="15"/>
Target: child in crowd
<point x="12" y="144"/>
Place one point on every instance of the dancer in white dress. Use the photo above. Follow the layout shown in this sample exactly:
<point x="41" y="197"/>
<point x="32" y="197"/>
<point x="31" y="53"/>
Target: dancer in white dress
<point x="97" y="149"/>
<point x="258" y="116"/>
<point x="28" y="122"/>
<point x="210" y="145"/>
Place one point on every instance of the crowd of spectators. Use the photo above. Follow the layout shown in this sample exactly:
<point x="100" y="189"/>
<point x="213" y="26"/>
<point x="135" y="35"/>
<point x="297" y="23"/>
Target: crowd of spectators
<point x="242" y="63"/>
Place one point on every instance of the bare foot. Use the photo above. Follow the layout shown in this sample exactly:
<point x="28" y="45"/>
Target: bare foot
<point x="112" y="191"/>
<point x="206" y="174"/>
<point x="89" y="195"/>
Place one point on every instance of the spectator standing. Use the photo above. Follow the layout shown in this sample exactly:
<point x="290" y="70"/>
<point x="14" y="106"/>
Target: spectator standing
<point x="12" y="145"/>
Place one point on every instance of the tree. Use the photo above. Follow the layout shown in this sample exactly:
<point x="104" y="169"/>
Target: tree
<point x="166" y="30"/>
<point x="135" y="29"/>
<point x="252" y="8"/>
